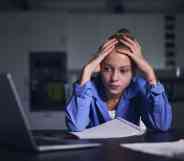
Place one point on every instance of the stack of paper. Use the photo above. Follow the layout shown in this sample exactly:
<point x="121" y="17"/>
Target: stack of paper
<point x="169" y="149"/>
<point x="115" y="128"/>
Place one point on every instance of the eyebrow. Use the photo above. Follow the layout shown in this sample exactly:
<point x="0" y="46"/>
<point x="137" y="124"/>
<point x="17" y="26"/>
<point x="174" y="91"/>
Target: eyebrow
<point x="126" y="66"/>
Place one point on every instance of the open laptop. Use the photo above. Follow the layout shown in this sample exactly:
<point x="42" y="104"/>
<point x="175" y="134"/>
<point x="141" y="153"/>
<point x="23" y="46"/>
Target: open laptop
<point x="15" y="130"/>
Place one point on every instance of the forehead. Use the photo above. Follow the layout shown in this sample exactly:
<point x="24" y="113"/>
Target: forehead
<point x="117" y="59"/>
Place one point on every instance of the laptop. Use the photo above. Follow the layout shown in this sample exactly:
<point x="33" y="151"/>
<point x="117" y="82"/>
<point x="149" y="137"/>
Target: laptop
<point x="15" y="130"/>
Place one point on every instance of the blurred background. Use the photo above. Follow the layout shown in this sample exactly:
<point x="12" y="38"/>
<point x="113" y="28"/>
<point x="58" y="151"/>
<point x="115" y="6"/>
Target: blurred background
<point x="45" y="43"/>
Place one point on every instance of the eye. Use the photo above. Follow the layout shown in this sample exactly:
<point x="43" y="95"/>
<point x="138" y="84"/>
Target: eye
<point x="123" y="71"/>
<point x="107" y="69"/>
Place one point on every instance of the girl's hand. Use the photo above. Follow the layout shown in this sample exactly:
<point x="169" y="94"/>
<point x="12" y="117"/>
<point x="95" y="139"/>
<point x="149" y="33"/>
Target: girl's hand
<point x="94" y="63"/>
<point x="135" y="53"/>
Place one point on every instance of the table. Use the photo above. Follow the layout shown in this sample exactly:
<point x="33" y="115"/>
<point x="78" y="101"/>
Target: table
<point x="109" y="151"/>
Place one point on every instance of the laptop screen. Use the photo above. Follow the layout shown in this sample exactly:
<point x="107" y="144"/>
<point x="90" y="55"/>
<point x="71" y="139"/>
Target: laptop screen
<point x="13" y="122"/>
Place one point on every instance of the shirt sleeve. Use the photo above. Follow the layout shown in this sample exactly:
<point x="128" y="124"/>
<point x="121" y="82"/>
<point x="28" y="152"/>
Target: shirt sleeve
<point x="78" y="108"/>
<point x="156" y="109"/>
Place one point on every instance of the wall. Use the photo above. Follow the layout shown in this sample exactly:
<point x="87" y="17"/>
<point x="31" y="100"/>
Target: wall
<point x="21" y="33"/>
<point x="86" y="32"/>
<point x="79" y="35"/>
<point x="178" y="107"/>
<point x="179" y="39"/>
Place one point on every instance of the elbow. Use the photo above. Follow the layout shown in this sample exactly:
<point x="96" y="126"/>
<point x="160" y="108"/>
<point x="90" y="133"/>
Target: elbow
<point x="163" y="120"/>
<point x="74" y="127"/>
<point x="163" y="128"/>
<point x="159" y="128"/>
<point x="164" y="125"/>
<point x="160" y="123"/>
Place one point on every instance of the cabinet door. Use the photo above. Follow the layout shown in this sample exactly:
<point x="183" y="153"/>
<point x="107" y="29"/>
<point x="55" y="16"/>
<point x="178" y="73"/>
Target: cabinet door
<point x="48" y="75"/>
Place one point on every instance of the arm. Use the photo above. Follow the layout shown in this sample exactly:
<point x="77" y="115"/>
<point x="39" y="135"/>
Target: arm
<point x="135" y="53"/>
<point x="78" y="108"/>
<point x="94" y="63"/>
<point x="156" y="110"/>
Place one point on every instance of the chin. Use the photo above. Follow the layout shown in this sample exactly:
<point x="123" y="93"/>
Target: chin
<point x="115" y="92"/>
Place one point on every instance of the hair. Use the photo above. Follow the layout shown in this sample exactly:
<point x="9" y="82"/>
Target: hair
<point x="119" y="35"/>
<point x="123" y="31"/>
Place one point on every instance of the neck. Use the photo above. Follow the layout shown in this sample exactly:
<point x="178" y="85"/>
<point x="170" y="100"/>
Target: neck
<point x="112" y="100"/>
<point x="110" y="96"/>
<point x="112" y="103"/>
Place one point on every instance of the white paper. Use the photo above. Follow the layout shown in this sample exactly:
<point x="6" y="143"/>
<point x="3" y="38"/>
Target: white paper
<point x="115" y="128"/>
<point x="168" y="149"/>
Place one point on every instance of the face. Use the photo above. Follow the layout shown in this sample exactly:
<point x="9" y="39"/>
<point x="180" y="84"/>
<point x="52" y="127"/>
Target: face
<point x="116" y="72"/>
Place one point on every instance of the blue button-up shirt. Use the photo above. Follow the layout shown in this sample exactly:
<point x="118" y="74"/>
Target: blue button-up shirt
<point x="87" y="107"/>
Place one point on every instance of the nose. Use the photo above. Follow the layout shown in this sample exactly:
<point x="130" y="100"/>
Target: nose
<point x="115" y="75"/>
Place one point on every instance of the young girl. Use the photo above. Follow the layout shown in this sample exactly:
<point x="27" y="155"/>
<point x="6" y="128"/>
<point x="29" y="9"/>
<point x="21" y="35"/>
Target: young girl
<point x="117" y="91"/>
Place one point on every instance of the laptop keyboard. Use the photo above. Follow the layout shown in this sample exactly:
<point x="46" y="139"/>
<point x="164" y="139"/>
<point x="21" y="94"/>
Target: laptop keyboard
<point x="43" y="137"/>
<point x="48" y="141"/>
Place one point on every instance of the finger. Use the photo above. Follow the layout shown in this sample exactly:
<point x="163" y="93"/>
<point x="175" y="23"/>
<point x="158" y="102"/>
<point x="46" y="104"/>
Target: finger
<point x="106" y="48"/>
<point x="136" y="48"/>
<point x="126" y="38"/>
<point x="125" y="52"/>
<point x="110" y="45"/>
<point x="109" y="49"/>
<point x="132" y="43"/>
<point x="103" y="54"/>
<point x="108" y="42"/>
<point x="127" y="42"/>
<point x="130" y="46"/>
<point x="137" y="44"/>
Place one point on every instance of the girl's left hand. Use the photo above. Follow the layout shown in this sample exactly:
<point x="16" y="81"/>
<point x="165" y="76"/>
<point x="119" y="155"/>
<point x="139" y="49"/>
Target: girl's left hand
<point x="135" y="53"/>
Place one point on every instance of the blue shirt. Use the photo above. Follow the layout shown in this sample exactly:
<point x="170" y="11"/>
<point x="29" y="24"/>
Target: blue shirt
<point x="87" y="107"/>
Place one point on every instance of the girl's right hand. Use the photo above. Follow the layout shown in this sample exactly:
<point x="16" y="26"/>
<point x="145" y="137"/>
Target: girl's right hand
<point x="94" y="63"/>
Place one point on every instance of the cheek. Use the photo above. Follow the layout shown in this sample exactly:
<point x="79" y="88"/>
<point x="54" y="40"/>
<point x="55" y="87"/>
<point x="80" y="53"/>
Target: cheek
<point x="125" y="79"/>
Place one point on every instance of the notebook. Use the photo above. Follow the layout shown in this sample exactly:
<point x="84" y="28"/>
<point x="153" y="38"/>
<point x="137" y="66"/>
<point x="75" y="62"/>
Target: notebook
<point x="116" y="128"/>
<point x="15" y="130"/>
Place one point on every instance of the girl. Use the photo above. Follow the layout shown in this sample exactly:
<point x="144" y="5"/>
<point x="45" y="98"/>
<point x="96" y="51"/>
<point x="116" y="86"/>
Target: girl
<point x="117" y="91"/>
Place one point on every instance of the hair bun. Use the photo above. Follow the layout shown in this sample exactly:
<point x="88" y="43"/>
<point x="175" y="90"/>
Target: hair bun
<point x="123" y="32"/>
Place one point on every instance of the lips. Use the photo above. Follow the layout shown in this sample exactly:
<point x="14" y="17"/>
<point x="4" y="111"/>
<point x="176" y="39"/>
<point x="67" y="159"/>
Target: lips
<point x="112" y="86"/>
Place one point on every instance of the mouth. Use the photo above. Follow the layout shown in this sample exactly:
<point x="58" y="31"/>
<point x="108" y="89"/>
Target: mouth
<point x="112" y="86"/>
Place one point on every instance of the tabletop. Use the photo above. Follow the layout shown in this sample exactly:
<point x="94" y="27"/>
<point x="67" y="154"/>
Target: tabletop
<point x="109" y="151"/>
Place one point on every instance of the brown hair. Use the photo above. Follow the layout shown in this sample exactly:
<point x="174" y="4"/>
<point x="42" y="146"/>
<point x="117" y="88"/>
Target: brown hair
<point x="119" y="35"/>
